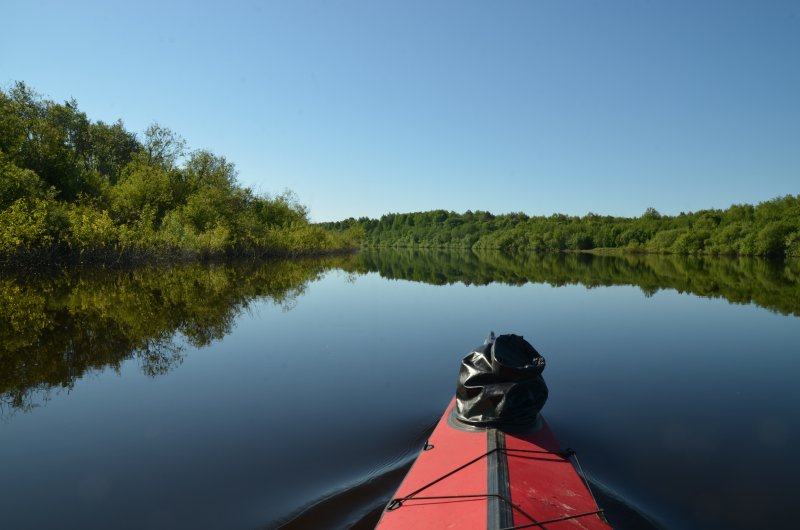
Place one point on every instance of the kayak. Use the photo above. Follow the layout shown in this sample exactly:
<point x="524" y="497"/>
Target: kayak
<point x="493" y="480"/>
<point x="492" y="461"/>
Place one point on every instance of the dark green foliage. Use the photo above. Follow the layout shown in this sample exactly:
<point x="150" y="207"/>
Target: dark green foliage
<point x="112" y="149"/>
<point x="17" y="183"/>
<point x="69" y="186"/>
<point x="771" y="228"/>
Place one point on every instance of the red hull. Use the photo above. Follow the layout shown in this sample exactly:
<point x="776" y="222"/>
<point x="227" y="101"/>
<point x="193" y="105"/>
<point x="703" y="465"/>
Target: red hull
<point x="492" y="480"/>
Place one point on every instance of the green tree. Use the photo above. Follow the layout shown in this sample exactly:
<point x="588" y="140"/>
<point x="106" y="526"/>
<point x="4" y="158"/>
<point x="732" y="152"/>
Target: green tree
<point x="163" y="146"/>
<point x="17" y="183"/>
<point x="141" y="185"/>
<point x="112" y="148"/>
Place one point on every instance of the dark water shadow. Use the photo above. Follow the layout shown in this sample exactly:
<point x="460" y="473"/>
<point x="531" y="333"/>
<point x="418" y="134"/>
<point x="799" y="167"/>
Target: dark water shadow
<point x="359" y="506"/>
<point x="620" y="513"/>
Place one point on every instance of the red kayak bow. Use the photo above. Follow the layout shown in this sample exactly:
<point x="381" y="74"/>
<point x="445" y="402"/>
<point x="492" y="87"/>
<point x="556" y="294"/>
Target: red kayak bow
<point x="491" y="479"/>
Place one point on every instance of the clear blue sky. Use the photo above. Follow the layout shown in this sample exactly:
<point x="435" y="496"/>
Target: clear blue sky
<point x="368" y="107"/>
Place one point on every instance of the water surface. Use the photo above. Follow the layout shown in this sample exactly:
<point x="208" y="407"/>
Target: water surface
<point x="296" y="393"/>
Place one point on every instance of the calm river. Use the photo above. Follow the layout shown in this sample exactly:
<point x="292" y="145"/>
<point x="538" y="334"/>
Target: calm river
<point x="296" y="394"/>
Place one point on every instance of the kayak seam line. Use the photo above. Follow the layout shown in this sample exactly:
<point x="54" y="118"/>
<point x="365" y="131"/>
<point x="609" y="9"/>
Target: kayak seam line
<point x="498" y="513"/>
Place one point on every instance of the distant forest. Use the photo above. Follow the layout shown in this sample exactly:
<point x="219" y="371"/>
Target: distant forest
<point x="91" y="190"/>
<point x="771" y="228"/>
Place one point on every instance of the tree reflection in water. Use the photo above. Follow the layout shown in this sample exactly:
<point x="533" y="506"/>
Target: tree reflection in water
<point x="57" y="328"/>
<point x="774" y="285"/>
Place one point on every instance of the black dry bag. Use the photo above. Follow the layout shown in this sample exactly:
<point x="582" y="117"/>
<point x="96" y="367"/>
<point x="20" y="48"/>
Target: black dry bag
<point x="500" y="385"/>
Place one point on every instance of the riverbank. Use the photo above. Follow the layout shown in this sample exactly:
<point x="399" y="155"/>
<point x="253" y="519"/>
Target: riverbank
<point x="54" y="259"/>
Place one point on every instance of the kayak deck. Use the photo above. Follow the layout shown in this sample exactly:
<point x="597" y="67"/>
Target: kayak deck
<point x="492" y="480"/>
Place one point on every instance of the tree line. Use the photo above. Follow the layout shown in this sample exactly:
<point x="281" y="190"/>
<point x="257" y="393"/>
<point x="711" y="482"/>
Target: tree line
<point x="70" y="186"/>
<point x="771" y="228"/>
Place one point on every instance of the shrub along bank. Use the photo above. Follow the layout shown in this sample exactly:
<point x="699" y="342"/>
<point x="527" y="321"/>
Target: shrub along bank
<point x="72" y="188"/>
